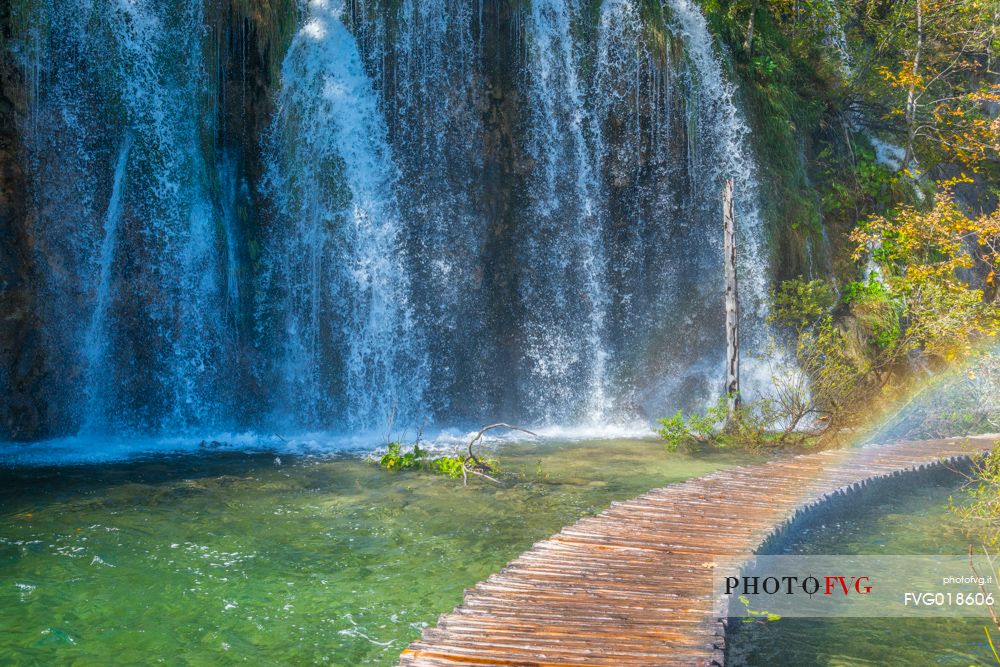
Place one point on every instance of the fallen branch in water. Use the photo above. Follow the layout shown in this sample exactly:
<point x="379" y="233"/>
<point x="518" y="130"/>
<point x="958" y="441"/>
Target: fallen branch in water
<point x="454" y="466"/>
<point x="465" y="476"/>
<point x="480" y="469"/>
<point x="479" y="436"/>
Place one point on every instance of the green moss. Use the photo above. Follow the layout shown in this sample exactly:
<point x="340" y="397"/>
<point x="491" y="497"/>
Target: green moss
<point x="799" y="303"/>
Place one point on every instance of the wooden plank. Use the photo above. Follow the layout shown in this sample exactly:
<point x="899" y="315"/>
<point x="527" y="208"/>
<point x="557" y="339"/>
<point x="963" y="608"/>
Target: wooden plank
<point x="632" y="586"/>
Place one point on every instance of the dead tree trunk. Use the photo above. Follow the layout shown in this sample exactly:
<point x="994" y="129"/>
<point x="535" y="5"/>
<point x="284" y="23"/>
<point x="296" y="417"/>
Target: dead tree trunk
<point x="732" y="302"/>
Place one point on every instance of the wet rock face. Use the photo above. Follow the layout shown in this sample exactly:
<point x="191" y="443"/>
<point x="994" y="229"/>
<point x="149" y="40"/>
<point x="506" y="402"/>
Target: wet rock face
<point x="22" y="409"/>
<point x="250" y="38"/>
<point x="505" y="168"/>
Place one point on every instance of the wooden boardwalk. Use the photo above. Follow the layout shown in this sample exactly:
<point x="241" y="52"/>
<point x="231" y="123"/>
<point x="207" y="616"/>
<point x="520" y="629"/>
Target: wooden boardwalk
<point x="633" y="585"/>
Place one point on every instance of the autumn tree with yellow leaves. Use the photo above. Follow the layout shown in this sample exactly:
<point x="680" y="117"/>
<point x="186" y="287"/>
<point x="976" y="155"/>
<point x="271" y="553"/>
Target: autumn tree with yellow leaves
<point x="930" y="298"/>
<point x="872" y="108"/>
<point x="945" y="81"/>
<point x="938" y="272"/>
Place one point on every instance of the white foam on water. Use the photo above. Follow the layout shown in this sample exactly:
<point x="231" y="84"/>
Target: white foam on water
<point x="89" y="450"/>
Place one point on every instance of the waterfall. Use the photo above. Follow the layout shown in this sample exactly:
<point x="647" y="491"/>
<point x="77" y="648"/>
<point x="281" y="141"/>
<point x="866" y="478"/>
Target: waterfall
<point x="172" y="250"/>
<point x="336" y="278"/>
<point x="440" y="210"/>
<point x="836" y="38"/>
<point x="722" y="127"/>
<point x="136" y="291"/>
<point x="637" y="115"/>
<point x="425" y="59"/>
<point x="97" y="344"/>
<point x="564" y="285"/>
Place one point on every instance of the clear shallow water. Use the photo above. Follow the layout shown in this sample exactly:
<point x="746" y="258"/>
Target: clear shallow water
<point x="229" y="557"/>
<point x="916" y="522"/>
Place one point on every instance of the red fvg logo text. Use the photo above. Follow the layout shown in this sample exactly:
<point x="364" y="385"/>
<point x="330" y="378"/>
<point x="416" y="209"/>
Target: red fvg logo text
<point x="826" y="585"/>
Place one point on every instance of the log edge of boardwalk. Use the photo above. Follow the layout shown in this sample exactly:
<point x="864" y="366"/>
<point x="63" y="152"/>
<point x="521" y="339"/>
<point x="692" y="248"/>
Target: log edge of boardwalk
<point x="632" y="585"/>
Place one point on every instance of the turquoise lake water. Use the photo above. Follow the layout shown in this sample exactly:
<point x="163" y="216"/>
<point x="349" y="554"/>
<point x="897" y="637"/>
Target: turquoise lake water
<point x="232" y="558"/>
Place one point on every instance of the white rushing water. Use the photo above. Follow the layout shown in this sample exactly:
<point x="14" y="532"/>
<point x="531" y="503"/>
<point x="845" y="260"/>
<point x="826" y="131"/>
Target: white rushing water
<point x="564" y="288"/>
<point x="426" y="63"/>
<point x="337" y="278"/>
<point x="159" y="64"/>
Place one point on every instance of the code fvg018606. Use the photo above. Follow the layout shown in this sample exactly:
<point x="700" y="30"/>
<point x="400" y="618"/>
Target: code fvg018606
<point x="948" y="599"/>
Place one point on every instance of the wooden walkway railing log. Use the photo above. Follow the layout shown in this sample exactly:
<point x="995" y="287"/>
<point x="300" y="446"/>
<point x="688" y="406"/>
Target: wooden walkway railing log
<point x="633" y="585"/>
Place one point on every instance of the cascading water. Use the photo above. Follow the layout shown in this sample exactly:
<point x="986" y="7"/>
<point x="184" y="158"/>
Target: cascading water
<point x="725" y="151"/>
<point x="134" y="293"/>
<point x="563" y="285"/>
<point x="426" y="62"/>
<point x="629" y="163"/>
<point x="452" y="211"/>
<point x="336" y="278"/>
<point x="722" y="149"/>
<point x="660" y="232"/>
<point x="96" y="336"/>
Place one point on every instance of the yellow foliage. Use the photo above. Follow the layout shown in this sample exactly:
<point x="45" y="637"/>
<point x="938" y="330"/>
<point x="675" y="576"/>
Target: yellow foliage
<point x="939" y="266"/>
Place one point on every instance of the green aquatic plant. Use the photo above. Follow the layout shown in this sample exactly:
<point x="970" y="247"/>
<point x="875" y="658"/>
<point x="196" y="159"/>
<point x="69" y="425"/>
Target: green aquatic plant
<point x="454" y="466"/>
<point x="417" y="458"/>
<point x="396" y="459"/>
<point x="448" y="465"/>
<point x="754" y="615"/>
<point x="993" y="648"/>
<point x="685" y="431"/>
<point x="979" y="506"/>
